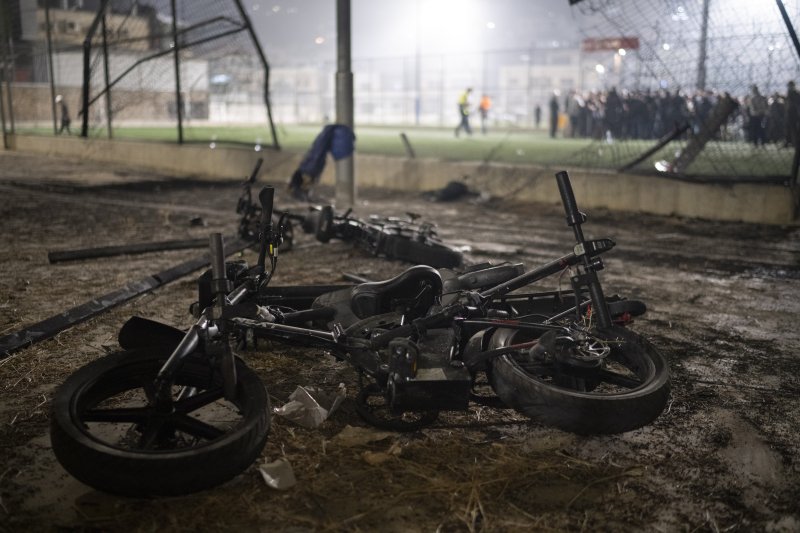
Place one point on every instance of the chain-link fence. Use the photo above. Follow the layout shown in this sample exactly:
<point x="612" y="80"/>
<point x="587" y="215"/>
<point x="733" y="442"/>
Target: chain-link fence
<point x="640" y="84"/>
<point x="174" y="70"/>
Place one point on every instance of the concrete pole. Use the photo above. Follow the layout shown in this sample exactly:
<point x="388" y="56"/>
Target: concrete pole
<point x="345" y="179"/>
<point x="701" y="60"/>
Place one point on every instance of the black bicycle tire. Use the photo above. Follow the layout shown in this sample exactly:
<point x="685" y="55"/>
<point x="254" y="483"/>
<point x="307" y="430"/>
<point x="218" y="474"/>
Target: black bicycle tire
<point x="585" y="412"/>
<point x="161" y="472"/>
<point x="422" y="253"/>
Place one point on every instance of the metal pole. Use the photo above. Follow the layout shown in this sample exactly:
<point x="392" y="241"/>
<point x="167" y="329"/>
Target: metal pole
<point x="106" y="76"/>
<point x="345" y="181"/>
<point x="417" y="72"/>
<point x="3" y="119"/>
<point x="87" y="66"/>
<point x="3" y="76"/>
<point x="50" y="66"/>
<point x="10" y="85"/>
<point x="265" y="64"/>
<point x="701" y="60"/>
<point x="789" y="26"/>
<point x="176" y="54"/>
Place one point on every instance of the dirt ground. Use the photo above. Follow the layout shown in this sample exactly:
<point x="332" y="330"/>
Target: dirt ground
<point x="723" y="306"/>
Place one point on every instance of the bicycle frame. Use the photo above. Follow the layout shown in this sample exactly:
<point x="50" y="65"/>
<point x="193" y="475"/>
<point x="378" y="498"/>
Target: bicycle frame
<point x="470" y="313"/>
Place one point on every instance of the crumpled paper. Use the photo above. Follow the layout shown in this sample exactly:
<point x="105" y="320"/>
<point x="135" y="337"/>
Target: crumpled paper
<point x="311" y="406"/>
<point x="278" y="474"/>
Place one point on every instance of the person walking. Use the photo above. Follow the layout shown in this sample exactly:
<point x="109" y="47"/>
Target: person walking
<point x="65" y="120"/>
<point x="553" y="115"/>
<point x="484" y="107"/>
<point x="463" y="111"/>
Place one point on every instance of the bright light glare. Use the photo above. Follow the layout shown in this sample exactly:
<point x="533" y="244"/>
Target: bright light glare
<point x="449" y="25"/>
<point x="490" y="25"/>
<point x="622" y="51"/>
<point x="600" y="69"/>
<point x="319" y="40"/>
<point x="665" y="46"/>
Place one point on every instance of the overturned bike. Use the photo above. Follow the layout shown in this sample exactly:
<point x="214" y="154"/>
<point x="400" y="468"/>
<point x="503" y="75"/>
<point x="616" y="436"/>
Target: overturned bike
<point x="406" y="238"/>
<point x="178" y="412"/>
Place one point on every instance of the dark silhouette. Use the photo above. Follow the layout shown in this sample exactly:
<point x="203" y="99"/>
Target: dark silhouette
<point x="65" y="120"/>
<point x="553" y="115"/>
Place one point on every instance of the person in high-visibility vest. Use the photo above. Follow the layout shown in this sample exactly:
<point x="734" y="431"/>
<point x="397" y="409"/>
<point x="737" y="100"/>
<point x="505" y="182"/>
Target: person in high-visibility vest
<point x="484" y="107"/>
<point x="463" y="111"/>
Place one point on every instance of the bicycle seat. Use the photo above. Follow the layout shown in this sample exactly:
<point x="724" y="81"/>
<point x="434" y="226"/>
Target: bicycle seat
<point x="412" y="293"/>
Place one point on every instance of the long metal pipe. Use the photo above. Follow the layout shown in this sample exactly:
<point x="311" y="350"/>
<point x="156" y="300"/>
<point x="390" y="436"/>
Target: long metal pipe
<point x="176" y="50"/>
<point x="49" y="41"/>
<point x="345" y="180"/>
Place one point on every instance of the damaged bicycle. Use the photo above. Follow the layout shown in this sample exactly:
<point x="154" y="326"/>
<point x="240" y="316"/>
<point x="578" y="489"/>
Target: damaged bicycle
<point x="177" y="411"/>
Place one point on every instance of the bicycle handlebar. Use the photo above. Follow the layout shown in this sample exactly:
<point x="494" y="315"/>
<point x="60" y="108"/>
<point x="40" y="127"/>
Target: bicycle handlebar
<point x="266" y="197"/>
<point x="574" y="217"/>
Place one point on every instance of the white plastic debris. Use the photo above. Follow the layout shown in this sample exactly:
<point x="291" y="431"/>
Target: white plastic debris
<point x="311" y="406"/>
<point x="278" y="474"/>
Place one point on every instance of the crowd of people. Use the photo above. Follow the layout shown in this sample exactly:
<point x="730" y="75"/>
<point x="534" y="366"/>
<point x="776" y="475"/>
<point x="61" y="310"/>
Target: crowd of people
<point x="758" y="119"/>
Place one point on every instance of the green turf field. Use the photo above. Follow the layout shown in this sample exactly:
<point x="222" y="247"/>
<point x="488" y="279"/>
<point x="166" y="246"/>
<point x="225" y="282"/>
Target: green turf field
<point x="509" y="146"/>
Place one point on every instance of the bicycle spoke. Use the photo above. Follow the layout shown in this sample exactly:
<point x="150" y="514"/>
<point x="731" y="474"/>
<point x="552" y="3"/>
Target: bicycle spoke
<point x="192" y="403"/>
<point x="134" y="415"/>
<point x="197" y="428"/>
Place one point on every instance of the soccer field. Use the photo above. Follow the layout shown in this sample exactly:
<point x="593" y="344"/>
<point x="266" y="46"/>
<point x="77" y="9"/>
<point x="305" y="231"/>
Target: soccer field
<point x="507" y="146"/>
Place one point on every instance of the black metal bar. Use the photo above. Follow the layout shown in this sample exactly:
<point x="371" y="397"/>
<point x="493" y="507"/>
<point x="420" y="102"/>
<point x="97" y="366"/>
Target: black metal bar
<point x="3" y="118"/>
<point x="789" y="26"/>
<point x="49" y="41"/>
<point x="532" y="276"/>
<point x="668" y="138"/>
<point x="265" y="64"/>
<point x="106" y="77"/>
<point x="87" y="67"/>
<point x="129" y="249"/>
<point x="176" y="50"/>
<point x="409" y="150"/>
<point x="49" y="327"/>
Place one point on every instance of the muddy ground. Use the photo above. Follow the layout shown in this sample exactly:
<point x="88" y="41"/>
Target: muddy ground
<point x="724" y="304"/>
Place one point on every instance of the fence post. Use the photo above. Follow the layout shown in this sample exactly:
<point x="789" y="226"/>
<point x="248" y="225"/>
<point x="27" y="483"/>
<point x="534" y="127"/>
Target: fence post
<point x="106" y="76"/>
<point x="345" y="180"/>
<point x="176" y="51"/>
<point x="49" y="41"/>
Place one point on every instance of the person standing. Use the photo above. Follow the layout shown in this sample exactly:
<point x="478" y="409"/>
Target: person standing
<point x="537" y="116"/>
<point x="756" y="111"/>
<point x="65" y="120"/>
<point x="553" y="115"/>
<point x="792" y="120"/>
<point x="484" y="107"/>
<point x="463" y="111"/>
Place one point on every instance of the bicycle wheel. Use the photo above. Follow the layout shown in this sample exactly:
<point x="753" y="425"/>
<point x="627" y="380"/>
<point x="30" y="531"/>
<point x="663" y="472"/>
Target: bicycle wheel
<point x="628" y="390"/>
<point x="422" y="253"/>
<point x="106" y="434"/>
